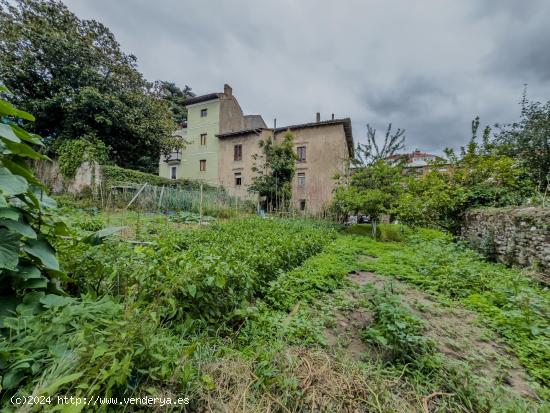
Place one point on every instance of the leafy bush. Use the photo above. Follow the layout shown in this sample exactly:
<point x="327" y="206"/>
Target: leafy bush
<point x="384" y="232"/>
<point x="28" y="263"/>
<point x="190" y="218"/>
<point x="322" y="273"/>
<point x="82" y="347"/>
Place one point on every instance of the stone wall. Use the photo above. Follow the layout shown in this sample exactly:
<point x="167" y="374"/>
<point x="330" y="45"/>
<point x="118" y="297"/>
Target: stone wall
<point x="518" y="236"/>
<point x="88" y="175"/>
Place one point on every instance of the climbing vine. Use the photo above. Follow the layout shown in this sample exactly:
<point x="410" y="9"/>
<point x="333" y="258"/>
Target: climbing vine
<point x="71" y="154"/>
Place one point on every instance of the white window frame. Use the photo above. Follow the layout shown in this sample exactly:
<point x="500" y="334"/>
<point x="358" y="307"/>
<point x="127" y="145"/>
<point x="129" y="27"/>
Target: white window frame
<point x="301" y="178"/>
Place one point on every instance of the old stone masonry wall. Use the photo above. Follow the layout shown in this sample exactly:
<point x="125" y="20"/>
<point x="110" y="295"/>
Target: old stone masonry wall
<point x="512" y="236"/>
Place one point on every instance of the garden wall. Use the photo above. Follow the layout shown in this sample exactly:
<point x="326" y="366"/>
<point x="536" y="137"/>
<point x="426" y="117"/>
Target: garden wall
<point x="519" y="236"/>
<point x="91" y="175"/>
<point x="88" y="175"/>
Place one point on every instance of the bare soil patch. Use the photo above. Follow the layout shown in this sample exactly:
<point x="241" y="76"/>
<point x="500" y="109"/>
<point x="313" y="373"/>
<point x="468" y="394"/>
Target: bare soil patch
<point x="456" y="331"/>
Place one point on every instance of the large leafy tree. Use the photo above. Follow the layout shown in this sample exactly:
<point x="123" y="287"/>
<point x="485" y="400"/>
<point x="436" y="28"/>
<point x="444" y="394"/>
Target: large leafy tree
<point x="175" y="97"/>
<point x="73" y="76"/>
<point x="274" y="169"/>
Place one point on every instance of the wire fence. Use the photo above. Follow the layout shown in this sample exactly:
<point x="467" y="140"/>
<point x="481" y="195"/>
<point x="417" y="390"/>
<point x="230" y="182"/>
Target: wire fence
<point x="145" y="197"/>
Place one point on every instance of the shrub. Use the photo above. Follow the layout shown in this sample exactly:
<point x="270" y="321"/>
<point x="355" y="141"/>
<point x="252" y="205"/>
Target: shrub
<point x="28" y="225"/>
<point x="82" y="347"/>
<point x="384" y="232"/>
<point x="113" y="175"/>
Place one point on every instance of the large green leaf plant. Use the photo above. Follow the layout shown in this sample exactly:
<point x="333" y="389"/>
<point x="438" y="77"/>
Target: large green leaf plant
<point x="29" y="269"/>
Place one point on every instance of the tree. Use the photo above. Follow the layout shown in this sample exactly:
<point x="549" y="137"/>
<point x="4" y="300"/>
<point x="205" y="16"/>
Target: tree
<point x="372" y="190"/>
<point x="372" y="152"/>
<point x="175" y="97"/>
<point x="430" y="200"/>
<point x="529" y="140"/>
<point x="488" y="176"/>
<point x="73" y="76"/>
<point x="275" y="172"/>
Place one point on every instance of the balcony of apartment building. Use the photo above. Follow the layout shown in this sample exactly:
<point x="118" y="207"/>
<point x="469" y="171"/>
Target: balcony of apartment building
<point x="173" y="158"/>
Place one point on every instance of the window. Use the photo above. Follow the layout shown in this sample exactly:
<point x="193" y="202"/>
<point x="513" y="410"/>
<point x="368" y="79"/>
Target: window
<point x="301" y="179"/>
<point x="238" y="179"/>
<point x="204" y="113"/>
<point x="203" y="139"/>
<point x="202" y="165"/>
<point x="302" y="204"/>
<point x="173" y="171"/>
<point x="301" y="151"/>
<point x="238" y="153"/>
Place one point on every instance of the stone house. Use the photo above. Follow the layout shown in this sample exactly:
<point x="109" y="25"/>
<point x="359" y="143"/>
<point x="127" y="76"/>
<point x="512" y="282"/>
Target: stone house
<point x="324" y="149"/>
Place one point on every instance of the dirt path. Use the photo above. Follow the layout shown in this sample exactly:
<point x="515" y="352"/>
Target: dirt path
<point x="455" y="330"/>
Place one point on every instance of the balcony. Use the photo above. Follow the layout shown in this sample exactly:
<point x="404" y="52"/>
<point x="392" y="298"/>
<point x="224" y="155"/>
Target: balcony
<point x="173" y="158"/>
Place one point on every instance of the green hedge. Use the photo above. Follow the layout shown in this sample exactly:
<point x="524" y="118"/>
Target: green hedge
<point x="113" y="175"/>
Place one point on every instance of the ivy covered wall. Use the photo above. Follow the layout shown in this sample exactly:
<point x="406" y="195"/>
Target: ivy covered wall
<point x="109" y="175"/>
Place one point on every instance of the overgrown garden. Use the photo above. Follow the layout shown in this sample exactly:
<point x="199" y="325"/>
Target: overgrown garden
<point x="235" y="312"/>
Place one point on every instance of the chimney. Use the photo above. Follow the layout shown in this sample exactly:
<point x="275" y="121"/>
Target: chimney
<point x="275" y="123"/>
<point x="333" y="116"/>
<point x="227" y="90"/>
<point x="318" y="117"/>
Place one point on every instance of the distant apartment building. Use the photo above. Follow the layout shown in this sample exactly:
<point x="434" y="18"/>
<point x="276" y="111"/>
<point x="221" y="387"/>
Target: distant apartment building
<point x="222" y="143"/>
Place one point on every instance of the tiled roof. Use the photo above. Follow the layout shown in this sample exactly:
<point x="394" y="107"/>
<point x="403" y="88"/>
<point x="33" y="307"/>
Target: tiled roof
<point x="411" y="155"/>
<point x="346" y="122"/>
<point x="203" y="98"/>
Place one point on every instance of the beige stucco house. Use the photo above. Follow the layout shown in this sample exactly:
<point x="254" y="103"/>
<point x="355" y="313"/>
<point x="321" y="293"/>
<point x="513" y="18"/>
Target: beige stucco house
<point x="324" y="149"/>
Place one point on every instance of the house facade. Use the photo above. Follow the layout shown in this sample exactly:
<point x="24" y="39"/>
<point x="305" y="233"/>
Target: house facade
<point x="417" y="162"/>
<point x="323" y="149"/>
<point x="207" y="116"/>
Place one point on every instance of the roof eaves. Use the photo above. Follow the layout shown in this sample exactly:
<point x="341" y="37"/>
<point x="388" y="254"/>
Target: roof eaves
<point x="240" y="132"/>
<point x="345" y="122"/>
<point x="203" y="98"/>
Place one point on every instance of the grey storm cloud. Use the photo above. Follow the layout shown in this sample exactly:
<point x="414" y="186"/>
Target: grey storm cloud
<point x="427" y="66"/>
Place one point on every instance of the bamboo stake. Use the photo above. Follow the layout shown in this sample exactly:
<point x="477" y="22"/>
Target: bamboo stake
<point x="136" y="195"/>
<point x="160" y="198"/>
<point x="200" y="208"/>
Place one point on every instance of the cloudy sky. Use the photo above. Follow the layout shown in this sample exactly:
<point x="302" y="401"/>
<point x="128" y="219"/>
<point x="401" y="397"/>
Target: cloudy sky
<point x="428" y="66"/>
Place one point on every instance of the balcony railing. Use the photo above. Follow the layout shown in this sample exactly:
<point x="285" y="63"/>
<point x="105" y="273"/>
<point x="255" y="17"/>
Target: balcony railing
<point x="173" y="157"/>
